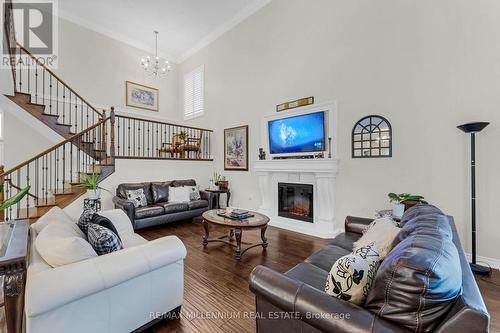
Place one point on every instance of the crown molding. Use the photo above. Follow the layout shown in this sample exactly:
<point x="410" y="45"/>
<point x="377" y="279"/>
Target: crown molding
<point x="225" y="27"/>
<point x="249" y="10"/>
<point x="115" y="35"/>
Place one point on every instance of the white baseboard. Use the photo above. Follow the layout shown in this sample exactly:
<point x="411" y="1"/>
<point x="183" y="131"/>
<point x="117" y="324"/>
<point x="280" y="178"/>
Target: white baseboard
<point x="494" y="263"/>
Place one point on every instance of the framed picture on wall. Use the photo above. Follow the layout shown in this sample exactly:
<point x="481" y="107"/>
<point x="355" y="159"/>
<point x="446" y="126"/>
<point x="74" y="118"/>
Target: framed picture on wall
<point x="236" y="148"/>
<point x="141" y="96"/>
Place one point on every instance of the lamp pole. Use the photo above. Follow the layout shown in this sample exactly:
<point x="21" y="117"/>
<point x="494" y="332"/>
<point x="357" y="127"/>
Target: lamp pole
<point x="474" y="128"/>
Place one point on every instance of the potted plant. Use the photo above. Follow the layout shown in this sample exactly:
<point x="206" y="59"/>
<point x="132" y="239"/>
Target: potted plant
<point x="91" y="183"/>
<point x="220" y="181"/>
<point x="15" y="199"/>
<point x="402" y="202"/>
<point x="183" y="136"/>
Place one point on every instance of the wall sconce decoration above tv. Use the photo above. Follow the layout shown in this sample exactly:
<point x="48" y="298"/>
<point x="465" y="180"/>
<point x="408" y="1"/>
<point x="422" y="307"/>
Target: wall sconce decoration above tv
<point x="372" y="137"/>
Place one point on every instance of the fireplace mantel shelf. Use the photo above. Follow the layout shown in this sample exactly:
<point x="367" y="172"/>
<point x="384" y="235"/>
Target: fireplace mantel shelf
<point x="326" y="165"/>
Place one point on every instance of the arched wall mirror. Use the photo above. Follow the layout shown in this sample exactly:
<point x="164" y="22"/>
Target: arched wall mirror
<point x="372" y="137"/>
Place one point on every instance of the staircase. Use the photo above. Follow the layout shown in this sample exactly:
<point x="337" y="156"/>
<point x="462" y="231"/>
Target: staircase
<point x="88" y="145"/>
<point x="55" y="174"/>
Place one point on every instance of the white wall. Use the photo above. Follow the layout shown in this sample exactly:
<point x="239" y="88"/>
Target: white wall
<point x="97" y="67"/>
<point x="427" y="66"/>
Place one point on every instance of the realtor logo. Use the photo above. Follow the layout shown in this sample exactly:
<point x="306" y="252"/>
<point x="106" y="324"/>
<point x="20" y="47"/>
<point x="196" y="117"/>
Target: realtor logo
<point x="33" y="24"/>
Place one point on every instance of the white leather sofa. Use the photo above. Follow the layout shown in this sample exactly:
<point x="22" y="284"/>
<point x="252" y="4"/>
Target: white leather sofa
<point x="117" y="292"/>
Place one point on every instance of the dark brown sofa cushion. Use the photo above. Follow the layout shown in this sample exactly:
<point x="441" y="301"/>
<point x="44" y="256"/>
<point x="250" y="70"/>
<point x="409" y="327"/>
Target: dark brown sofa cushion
<point x="418" y="281"/>
<point x="196" y="204"/>
<point x="185" y="182"/>
<point x="159" y="190"/>
<point x="123" y="188"/>
<point x="149" y="211"/>
<point x="326" y="257"/>
<point x="174" y="207"/>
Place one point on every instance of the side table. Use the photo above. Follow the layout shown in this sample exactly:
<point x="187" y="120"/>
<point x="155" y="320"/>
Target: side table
<point x="94" y="204"/>
<point x="217" y="197"/>
<point x="13" y="263"/>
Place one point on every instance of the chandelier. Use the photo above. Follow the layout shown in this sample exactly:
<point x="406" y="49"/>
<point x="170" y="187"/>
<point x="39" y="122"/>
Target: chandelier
<point x="155" y="67"/>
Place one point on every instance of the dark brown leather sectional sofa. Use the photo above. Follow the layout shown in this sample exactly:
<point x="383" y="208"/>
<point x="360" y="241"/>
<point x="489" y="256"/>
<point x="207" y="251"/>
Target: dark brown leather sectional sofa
<point x="159" y="210"/>
<point x="423" y="285"/>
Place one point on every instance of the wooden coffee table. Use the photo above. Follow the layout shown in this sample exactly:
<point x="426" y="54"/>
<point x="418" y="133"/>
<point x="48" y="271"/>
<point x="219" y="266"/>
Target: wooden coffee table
<point x="236" y="227"/>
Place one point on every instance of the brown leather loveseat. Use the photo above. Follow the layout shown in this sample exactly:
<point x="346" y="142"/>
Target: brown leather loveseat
<point x="423" y="285"/>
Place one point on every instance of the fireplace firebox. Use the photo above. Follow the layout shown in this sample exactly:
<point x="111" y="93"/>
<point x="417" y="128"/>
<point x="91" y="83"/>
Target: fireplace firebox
<point x="295" y="201"/>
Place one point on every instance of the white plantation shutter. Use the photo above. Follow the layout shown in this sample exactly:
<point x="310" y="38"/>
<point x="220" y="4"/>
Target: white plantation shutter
<point x="194" y="99"/>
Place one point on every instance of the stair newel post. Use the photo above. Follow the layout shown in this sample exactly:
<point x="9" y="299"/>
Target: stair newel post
<point x="112" y="135"/>
<point x="2" y="216"/>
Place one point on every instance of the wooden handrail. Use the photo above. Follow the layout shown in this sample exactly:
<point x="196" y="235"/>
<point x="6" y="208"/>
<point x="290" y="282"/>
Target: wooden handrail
<point x="164" y="123"/>
<point x="45" y="152"/>
<point x="57" y="77"/>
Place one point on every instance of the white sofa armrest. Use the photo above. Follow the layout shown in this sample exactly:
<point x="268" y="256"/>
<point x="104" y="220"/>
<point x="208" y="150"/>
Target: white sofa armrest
<point x="120" y="221"/>
<point x="53" y="288"/>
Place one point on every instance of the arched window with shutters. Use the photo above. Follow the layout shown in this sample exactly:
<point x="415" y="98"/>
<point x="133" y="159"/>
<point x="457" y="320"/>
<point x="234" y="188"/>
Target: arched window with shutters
<point x="372" y="137"/>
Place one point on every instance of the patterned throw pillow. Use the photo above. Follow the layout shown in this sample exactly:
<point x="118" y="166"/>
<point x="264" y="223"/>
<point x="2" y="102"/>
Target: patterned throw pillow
<point x="85" y="218"/>
<point x="383" y="233"/>
<point x="137" y="197"/>
<point x="194" y="193"/>
<point x="104" y="222"/>
<point x="103" y="240"/>
<point x="352" y="275"/>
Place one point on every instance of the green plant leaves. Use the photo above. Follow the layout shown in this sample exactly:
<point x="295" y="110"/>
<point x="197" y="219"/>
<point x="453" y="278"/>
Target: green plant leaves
<point x="402" y="197"/>
<point x="15" y="199"/>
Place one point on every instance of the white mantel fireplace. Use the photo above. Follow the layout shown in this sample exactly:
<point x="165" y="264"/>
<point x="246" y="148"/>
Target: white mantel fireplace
<point x="320" y="173"/>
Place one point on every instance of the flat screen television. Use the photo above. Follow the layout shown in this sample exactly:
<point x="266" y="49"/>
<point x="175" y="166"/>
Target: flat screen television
<point x="297" y="134"/>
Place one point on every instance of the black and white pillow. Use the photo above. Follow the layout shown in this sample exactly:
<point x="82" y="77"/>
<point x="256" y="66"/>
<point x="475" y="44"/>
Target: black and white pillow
<point x="352" y="275"/>
<point x="137" y="197"/>
<point x="194" y="193"/>
<point x="85" y="218"/>
<point x="104" y="222"/>
<point x="103" y="240"/>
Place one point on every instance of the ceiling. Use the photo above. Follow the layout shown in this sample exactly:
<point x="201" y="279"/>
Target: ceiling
<point x="184" y="26"/>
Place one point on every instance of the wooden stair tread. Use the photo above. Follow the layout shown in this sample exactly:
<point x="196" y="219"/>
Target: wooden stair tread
<point x="49" y="202"/>
<point x="49" y="115"/>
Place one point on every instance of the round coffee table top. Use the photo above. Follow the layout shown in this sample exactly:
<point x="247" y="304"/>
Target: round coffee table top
<point x="257" y="220"/>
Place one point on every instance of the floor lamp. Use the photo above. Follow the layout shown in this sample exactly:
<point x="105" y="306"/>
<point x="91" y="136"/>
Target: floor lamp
<point x="472" y="129"/>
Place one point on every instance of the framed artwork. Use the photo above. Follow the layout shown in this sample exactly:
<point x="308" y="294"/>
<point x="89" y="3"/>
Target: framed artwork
<point x="236" y="148"/>
<point x="141" y="96"/>
<point x="295" y="104"/>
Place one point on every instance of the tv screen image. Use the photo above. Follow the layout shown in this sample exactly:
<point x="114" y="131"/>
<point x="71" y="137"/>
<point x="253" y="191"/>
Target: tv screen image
<point x="297" y="134"/>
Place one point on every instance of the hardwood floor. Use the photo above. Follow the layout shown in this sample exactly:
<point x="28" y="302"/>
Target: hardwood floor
<point x="490" y="289"/>
<point x="216" y="284"/>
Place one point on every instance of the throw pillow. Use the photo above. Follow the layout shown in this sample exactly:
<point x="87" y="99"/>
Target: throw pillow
<point x="194" y="193"/>
<point x="137" y="197"/>
<point x="103" y="240"/>
<point x="54" y="214"/>
<point x="86" y="218"/>
<point x="352" y="275"/>
<point x="382" y="232"/>
<point x="104" y="222"/>
<point x="61" y="243"/>
<point x="178" y="194"/>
